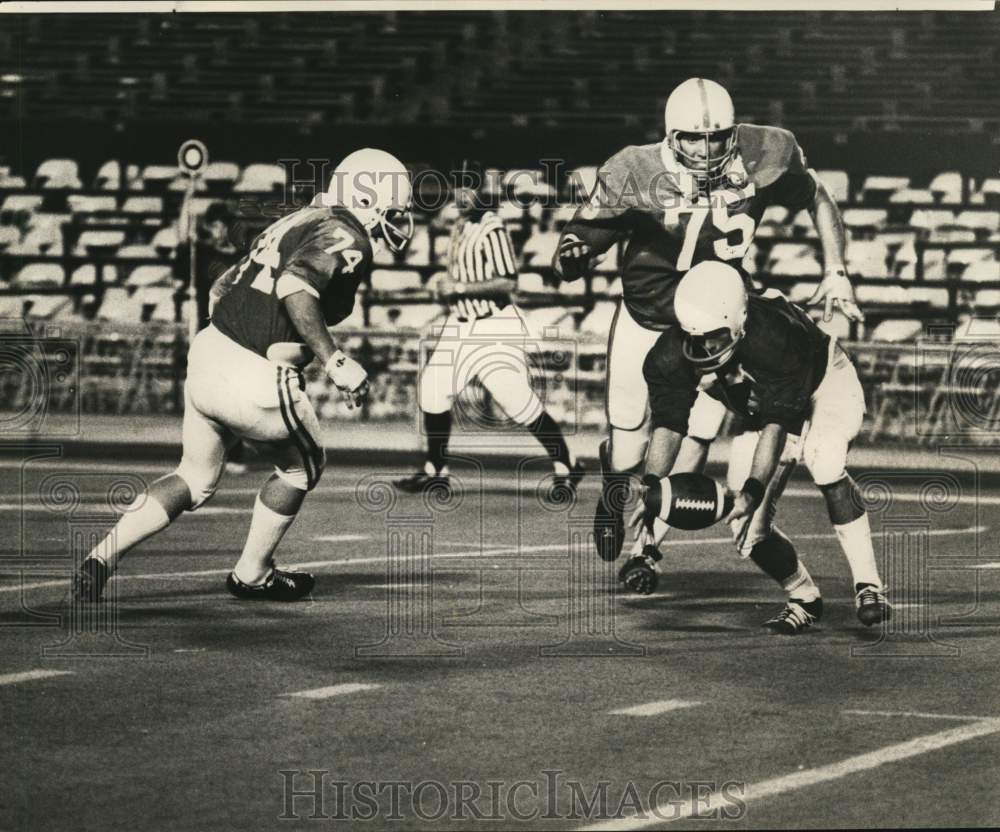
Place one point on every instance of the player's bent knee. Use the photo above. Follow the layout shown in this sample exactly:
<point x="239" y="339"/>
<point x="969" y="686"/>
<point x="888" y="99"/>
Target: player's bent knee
<point x="201" y="482"/>
<point x="826" y="459"/>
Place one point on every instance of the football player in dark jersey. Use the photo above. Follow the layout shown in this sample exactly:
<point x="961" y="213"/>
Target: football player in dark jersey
<point x="785" y="377"/>
<point x="697" y="195"/>
<point x="270" y="316"/>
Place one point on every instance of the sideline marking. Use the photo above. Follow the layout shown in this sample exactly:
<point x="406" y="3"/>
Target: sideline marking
<point x="654" y="708"/>
<point x="668" y="812"/>
<point x="333" y="690"/>
<point x="29" y="675"/>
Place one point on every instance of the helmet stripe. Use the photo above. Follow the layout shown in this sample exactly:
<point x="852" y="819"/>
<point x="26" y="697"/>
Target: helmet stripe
<point x="704" y="104"/>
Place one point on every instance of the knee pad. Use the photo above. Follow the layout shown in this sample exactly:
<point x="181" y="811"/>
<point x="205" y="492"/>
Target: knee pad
<point x="706" y="418"/>
<point x="201" y="481"/>
<point x="826" y="458"/>
<point x="305" y="476"/>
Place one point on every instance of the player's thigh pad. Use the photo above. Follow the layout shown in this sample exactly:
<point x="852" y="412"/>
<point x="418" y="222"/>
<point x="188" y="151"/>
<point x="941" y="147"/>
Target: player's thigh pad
<point x="706" y="417"/>
<point x="627" y="394"/>
<point x="837" y="414"/>
<point x="205" y="442"/>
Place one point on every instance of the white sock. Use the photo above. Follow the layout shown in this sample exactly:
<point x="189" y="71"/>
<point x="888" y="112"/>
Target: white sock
<point x="561" y="469"/>
<point x="800" y="585"/>
<point x="144" y="518"/>
<point x="856" y="541"/>
<point x="267" y="527"/>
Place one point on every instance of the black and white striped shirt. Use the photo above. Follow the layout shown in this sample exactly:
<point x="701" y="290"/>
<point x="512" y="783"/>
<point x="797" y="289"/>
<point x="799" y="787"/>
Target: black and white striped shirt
<point x="479" y="250"/>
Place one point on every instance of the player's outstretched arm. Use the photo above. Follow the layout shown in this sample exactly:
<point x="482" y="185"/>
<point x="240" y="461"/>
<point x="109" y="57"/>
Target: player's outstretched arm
<point x="307" y="316"/>
<point x="835" y="289"/>
<point x="664" y="445"/>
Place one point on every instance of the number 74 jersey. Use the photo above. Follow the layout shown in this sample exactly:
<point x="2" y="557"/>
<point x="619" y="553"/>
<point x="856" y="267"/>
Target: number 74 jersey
<point x="320" y="250"/>
<point x="642" y="193"/>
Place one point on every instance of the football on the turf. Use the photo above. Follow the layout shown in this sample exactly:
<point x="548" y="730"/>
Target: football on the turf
<point x="685" y="501"/>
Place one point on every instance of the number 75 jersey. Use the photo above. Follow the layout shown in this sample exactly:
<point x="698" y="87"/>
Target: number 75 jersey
<point x="643" y="193"/>
<point x="320" y="250"/>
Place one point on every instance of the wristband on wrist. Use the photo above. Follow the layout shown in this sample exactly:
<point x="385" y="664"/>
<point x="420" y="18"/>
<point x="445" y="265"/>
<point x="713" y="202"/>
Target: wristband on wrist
<point x="755" y="488"/>
<point x="335" y="362"/>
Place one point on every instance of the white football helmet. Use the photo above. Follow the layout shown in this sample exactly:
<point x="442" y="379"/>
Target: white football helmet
<point x="375" y="187"/>
<point x="701" y="109"/>
<point x="711" y="306"/>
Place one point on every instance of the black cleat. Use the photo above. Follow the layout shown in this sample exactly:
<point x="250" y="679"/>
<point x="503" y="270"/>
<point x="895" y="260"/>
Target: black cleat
<point x="872" y="606"/>
<point x="90" y="580"/>
<point x="280" y="586"/>
<point x="421" y="482"/>
<point x="609" y="514"/>
<point x="564" y="486"/>
<point x="797" y="617"/>
<point x="640" y="572"/>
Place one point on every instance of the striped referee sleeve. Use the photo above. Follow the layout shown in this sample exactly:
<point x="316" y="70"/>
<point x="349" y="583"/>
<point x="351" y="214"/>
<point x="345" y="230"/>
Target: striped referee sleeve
<point x="498" y="250"/>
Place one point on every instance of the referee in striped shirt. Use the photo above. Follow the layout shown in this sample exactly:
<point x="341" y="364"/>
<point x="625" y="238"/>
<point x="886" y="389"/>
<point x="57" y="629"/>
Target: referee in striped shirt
<point x="484" y="338"/>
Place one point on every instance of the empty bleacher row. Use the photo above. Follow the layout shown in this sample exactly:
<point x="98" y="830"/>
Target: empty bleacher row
<point x="102" y="244"/>
<point x="935" y="71"/>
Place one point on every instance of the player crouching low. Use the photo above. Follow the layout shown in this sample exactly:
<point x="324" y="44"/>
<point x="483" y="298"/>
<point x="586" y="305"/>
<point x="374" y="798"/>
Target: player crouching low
<point x="245" y="377"/>
<point x="777" y="369"/>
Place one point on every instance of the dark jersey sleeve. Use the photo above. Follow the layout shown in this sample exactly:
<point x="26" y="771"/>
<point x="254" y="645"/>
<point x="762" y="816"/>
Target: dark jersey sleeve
<point x="672" y="383"/>
<point x="795" y="189"/>
<point x="329" y="249"/>
<point x="605" y="218"/>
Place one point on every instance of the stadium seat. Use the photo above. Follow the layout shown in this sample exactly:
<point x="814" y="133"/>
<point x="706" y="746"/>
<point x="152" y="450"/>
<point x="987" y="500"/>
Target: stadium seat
<point x="39" y="274"/>
<point x="572" y="288"/>
<point x="511" y="212"/>
<point x="46" y="306"/>
<point x="98" y="242"/>
<point x="897" y="330"/>
<point x="793" y="259"/>
<point x="117" y="305"/>
<point x="386" y="280"/>
<point x="977" y="328"/>
<point x="989" y="192"/>
<point x="261" y="177"/>
<point x="404" y="316"/>
<point x="9" y="236"/>
<point x="912" y="196"/>
<point x="136" y="251"/>
<point x="934" y="263"/>
<point x="562" y="215"/>
<point x="982" y="222"/>
<point x="531" y="282"/>
<point x="221" y="174"/>
<point x="10" y="182"/>
<point x="419" y="249"/>
<point x="86" y="275"/>
<point x="109" y="177"/>
<point x="929" y="218"/>
<point x="44" y="238"/>
<point x="157" y="178"/>
<point x="151" y="274"/>
<point x="580" y="182"/>
<point x="441" y="244"/>
<point x="162" y="301"/>
<point x="548" y="321"/>
<point x="82" y="205"/>
<point x="165" y="241"/>
<point x="609" y="262"/>
<point x="143" y="205"/>
<point x="615" y="288"/>
<point x="871" y="219"/>
<point x="837" y="183"/>
<point x="383" y="256"/>
<point x="876" y="190"/>
<point x="982" y="271"/>
<point x="57" y="173"/>
<point x="947" y="188"/>
<point x="527" y="183"/>
<point x="802" y="225"/>
<point x="868" y="258"/>
<point x="18" y="207"/>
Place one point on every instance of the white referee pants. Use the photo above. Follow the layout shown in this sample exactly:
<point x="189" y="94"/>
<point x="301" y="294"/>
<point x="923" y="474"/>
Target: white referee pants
<point x="492" y="350"/>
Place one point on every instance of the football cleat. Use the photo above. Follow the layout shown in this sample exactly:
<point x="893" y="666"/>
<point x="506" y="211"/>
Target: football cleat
<point x="564" y="486"/>
<point x="641" y="572"/>
<point x="796" y="617"/>
<point x="871" y="603"/>
<point x="90" y="580"/>
<point x="609" y="514"/>
<point x="280" y="586"/>
<point x="421" y="482"/>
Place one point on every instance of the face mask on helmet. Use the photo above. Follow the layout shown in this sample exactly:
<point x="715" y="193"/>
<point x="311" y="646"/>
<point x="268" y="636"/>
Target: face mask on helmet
<point x="396" y="228"/>
<point x="711" y="351"/>
<point x="704" y="154"/>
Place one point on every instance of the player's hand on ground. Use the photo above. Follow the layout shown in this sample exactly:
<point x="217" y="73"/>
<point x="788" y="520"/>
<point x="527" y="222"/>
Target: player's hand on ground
<point x="573" y="258"/>
<point x="350" y="378"/>
<point x="835" y="290"/>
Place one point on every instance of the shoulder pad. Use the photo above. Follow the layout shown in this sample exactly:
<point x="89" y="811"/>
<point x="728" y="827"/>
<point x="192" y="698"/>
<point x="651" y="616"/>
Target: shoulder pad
<point x="768" y="152"/>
